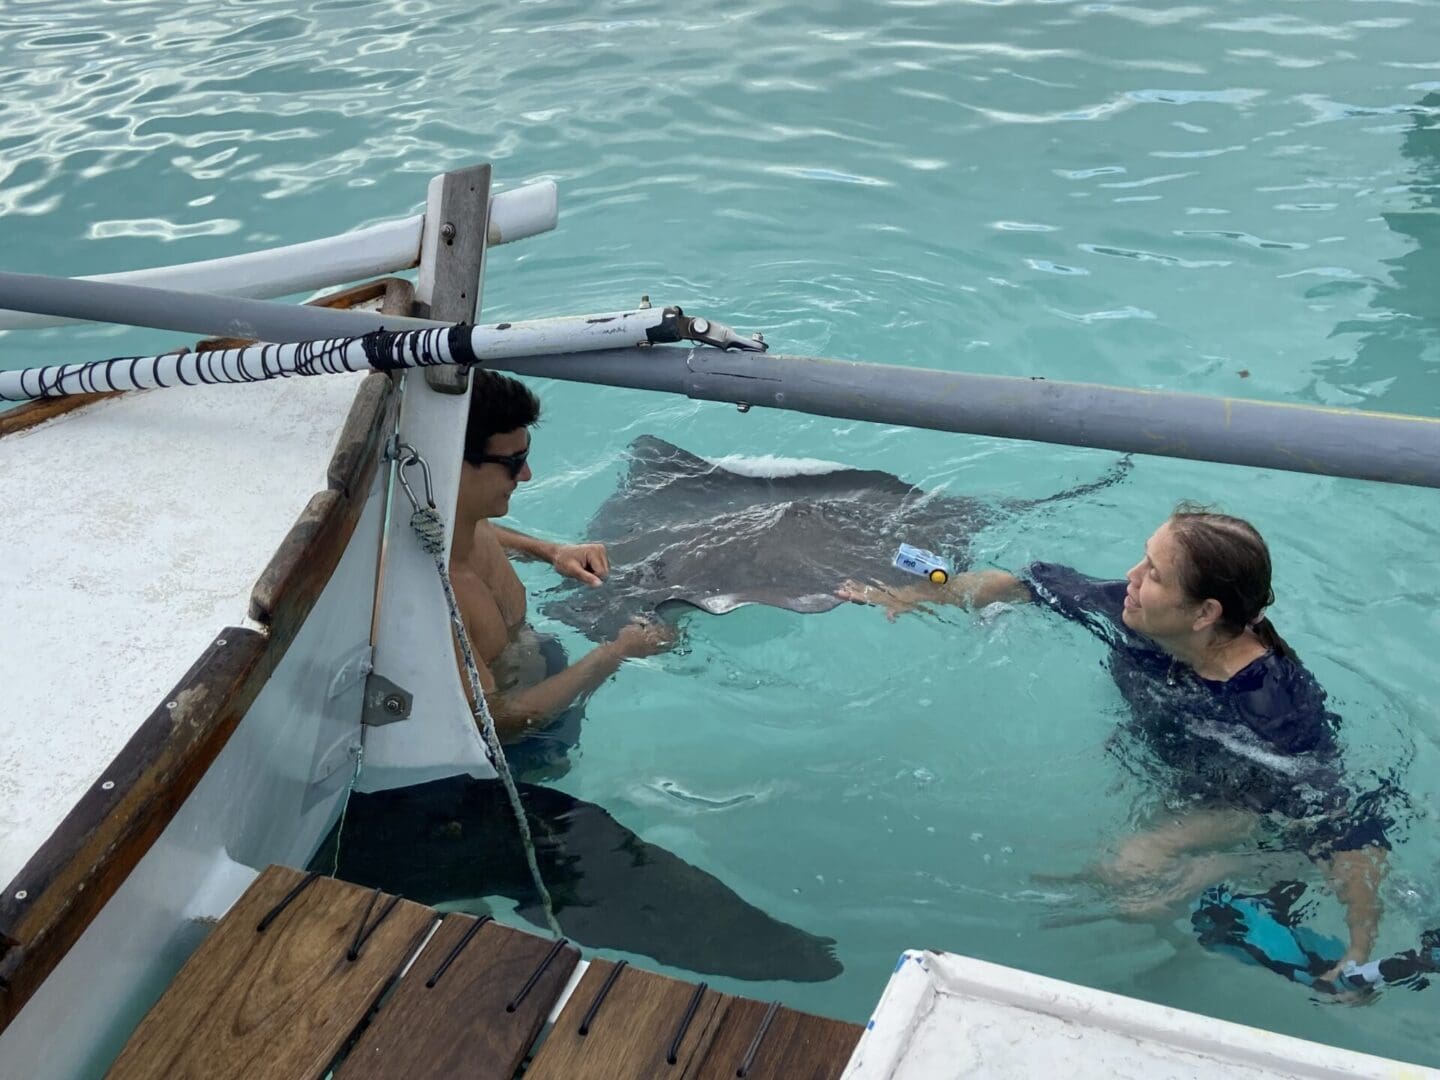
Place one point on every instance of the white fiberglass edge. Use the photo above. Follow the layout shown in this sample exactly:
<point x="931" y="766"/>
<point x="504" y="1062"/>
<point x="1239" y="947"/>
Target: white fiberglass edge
<point x="413" y="644"/>
<point x="944" y="1015"/>
<point x="270" y="797"/>
<point x="317" y="264"/>
<point x="134" y="531"/>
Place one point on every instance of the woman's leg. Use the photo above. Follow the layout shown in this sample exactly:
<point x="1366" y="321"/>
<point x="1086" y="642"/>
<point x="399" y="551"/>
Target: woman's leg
<point x="1171" y="862"/>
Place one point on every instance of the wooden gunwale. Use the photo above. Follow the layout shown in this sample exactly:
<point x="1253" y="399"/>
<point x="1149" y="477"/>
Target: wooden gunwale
<point x="74" y="873"/>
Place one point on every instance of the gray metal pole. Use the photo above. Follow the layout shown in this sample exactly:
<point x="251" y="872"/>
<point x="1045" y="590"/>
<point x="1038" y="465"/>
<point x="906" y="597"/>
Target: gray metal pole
<point x="1298" y="438"/>
<point x="189" y="313"/>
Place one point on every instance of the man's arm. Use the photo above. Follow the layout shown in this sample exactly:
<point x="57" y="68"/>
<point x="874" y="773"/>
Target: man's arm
<point x="970" y="590"/>
<point x="587" y="563"/>
<point x="521" y="711"/>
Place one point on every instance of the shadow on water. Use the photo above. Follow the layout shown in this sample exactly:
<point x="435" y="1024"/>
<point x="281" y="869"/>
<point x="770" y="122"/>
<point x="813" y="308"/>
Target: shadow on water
<point x="452" y="840"/>
<point x="1399" y="348"/>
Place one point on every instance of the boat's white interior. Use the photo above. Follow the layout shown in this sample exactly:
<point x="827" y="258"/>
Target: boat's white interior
<point x="134" y="530"/>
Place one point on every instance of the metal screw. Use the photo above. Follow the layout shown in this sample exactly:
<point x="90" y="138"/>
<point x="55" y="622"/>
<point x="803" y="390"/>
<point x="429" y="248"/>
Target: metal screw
<point x="743" y="406"/>
<point x="171" y="704"/>
<point x="220" y="642"/>
<point x="107" y="785"/>
<point x="394" y="705"/>
<point x="447" y="233"/>
<point x="21" y="895"/>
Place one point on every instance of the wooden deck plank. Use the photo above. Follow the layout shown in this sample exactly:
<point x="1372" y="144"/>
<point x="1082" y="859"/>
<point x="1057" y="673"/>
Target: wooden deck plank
<point x="795" y="1045"/>
<point x="631" y="1033"/>
<point x="278" y="1003"/>
<point x="460" y="1026"/>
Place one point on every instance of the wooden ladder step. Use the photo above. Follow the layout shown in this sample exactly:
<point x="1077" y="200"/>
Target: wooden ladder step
<point x="471" y="1005"/>
<point x="282" y="1001"/>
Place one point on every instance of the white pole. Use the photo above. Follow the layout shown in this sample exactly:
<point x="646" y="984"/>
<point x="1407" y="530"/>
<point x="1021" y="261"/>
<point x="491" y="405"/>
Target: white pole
<point x="378" y="350"/>
<point x="318" y="264"/>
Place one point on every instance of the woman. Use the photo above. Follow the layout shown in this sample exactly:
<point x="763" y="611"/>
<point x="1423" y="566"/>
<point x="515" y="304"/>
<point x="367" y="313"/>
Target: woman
<point x="1217" y="696"/>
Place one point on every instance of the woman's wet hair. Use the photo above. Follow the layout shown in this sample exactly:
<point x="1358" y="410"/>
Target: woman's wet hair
<point x="1227" y="560"/>
<point x="498" y="404"/>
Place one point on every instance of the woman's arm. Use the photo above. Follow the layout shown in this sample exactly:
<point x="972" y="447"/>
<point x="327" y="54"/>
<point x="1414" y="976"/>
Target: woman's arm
<point x="1355" y="877"/>
<point x="970" y="590"/>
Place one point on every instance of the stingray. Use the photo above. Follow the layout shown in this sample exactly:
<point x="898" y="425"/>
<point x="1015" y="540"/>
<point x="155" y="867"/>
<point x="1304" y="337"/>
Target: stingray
<point x="452" y="842"/>
<point x="681" y="530"/>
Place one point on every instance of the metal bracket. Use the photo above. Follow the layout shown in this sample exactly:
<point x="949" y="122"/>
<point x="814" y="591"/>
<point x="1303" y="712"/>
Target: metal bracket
<point x="385" y="702"/>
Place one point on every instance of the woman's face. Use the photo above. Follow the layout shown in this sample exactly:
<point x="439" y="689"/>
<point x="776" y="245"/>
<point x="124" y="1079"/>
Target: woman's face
<point x="1155" y="604"/>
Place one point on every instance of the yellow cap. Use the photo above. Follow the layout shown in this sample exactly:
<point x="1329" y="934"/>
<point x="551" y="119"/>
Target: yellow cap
<point x="938" y="576"/>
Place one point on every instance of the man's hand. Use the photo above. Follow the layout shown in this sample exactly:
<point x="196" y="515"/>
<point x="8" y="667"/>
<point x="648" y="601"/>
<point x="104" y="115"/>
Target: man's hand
<point x="586" y="563"/>
<point x="644" y="637"/>
<point x="859" y="593"/>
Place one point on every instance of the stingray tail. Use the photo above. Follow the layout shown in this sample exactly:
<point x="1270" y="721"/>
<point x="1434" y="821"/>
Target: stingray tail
<point x="1113" y="475"/>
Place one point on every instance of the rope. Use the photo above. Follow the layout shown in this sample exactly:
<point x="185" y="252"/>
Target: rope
<point x="345" y="808"/>
<point x="431" y="532"/>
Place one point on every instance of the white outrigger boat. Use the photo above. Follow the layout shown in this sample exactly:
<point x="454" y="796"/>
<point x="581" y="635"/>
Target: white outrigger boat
<point x="215" y="608"/>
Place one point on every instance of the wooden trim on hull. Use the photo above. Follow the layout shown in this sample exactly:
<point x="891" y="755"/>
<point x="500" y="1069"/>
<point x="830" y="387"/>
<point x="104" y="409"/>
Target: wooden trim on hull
<point x="34" y="413"/>
<point x="67" y="882"/>
<point x="84" y="862"/>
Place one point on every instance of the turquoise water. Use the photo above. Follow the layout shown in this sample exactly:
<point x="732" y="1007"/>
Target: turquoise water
<point x="1235" y="198"/>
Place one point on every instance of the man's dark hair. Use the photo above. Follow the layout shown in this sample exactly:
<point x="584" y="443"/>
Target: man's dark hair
<point x="498" y="404"/>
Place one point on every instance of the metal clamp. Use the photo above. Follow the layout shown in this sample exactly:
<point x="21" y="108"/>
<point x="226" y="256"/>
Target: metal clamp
<point x="677" y="326"/>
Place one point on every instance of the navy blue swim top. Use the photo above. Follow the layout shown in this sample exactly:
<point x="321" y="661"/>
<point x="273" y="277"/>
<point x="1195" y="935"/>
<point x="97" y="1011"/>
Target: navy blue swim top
<point x="1263" y="740"/>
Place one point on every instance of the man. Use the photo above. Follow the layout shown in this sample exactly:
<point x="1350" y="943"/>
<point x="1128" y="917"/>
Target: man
<point x="525" y="682"/>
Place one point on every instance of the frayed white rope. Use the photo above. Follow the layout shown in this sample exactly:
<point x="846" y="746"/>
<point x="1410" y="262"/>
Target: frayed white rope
<point x="431" y="532"/>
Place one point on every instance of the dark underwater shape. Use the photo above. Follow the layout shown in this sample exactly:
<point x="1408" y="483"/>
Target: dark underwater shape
<point x="454" y="839"/>
<point x="680" y="529"/>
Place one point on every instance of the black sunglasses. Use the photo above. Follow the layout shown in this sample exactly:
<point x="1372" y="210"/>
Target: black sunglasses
<point x="514" y="462"/>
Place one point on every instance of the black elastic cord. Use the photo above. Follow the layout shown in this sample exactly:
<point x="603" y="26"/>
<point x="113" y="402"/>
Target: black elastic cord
<point x="457" y="338"/>
<point x="673" y="1054"/>
<point x="744" y="1068"/>
<point x="465" y="940"/>
<point x="600" y="996"/>
<point x="514" y="1003"/>
<point x="362" y="932"/>
<point x="275" y="911"/>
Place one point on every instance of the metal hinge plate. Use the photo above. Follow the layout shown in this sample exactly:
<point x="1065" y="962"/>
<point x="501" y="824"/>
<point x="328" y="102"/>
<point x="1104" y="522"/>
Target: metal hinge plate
<point x="385" y="702"/>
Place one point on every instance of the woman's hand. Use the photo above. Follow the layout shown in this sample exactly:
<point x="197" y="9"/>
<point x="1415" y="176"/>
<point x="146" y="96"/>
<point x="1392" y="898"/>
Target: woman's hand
<point x="586" y="563"/>
<point x="892" y="600"/>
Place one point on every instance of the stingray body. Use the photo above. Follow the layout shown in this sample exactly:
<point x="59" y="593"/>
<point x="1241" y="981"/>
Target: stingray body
<point x="681" y="529"/>
<point x="453" y="840"/>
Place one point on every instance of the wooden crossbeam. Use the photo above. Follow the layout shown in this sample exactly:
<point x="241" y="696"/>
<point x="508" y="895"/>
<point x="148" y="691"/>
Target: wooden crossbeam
<point x="278" y="1002"/>
<point x="633" y="1022"/>
<point x="631" y="1030"/>
<point x="305" y="968"/>
<point x="471" y="1005"/>
<point x="791" y="1046"/>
